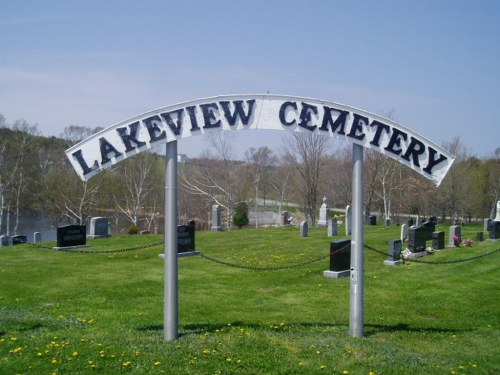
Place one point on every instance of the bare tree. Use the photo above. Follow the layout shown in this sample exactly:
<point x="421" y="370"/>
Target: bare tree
<point x="309" y="160"/>
<point x="215" y="176"/>
<point x="260" y="162"/>
<point x="134" y="180"/>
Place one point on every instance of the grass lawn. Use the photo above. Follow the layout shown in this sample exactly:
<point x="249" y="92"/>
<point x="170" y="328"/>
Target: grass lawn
<point x="102" y="313"/>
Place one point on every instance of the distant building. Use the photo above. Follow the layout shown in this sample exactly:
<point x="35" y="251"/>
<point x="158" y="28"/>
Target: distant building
<point x="182" y="158"/>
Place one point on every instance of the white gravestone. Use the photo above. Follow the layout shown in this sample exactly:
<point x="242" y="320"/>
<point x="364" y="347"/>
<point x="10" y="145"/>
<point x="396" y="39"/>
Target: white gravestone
<point x="324" y="214"/>
<point x="497" y="218"/>
<point x="348" y="220"/>
<point x="404" y="232"/>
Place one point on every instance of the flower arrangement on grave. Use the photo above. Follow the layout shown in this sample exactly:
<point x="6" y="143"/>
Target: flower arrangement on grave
<point x="456" y="240"/>
<point x="468" y="242"/>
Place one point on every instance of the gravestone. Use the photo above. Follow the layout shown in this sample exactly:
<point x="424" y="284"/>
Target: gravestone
<point x="19" y="239"/>
<point x="419" y="235"/>
<point x="186" y="238"/>
<point x="497" y="218"/>
<point x="455" y="236"/>
<point x="438" y="240"/>
<point x="37" y="237"/>
<point x="216" y="221"/>
<point x="410" y="223"/>
<point x="348" y="220"/>
<point x="333" y="229"/>
<point x="71" y="235"/>
<point x="404" y="232"/>
<point x="495" y="230"/>
<point x="99" y="227"/>
<point x="5" y="240"/>
<point x="340" y="259"/>
<point x="304" y="229"/>
<point x="479" y="237"/>
<point x="324" y="214"/>
<point x="394" y="255"/>
<point x="286" y="218"/>
<point x="387" y="222"/>
<point x="487" y="225"/>
<point x="372" y="220"/>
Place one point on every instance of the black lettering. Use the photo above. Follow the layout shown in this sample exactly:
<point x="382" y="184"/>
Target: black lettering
<point x="305" y="116"/>
<point x="192" y="116"/>
<point x="107" y="148"/>
<point x="283" y="110"/>
<point x="155" y="133"/>
<point x="395" y="141"/>
<point x="174" y="126"/>
<point x="432" y="162"/>
<point x="357" y="126"/>
<point x="338" y="123"/>
<point x="129" y="138"/>
<point x="239" y="112"/>
<point x="414" y="149"/>
<point x="209" y="115"/>
<point x="85" y="168"/>
<point x="380" y="127"/>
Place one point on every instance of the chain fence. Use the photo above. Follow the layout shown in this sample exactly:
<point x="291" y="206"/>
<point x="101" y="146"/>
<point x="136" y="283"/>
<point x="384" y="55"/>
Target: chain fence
<point x="264" y="268"/>
<point x="434" y="262"/>
<point x="111" y="251"/>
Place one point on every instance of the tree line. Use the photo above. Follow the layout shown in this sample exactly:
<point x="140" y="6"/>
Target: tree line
<point x="36" y="179"/>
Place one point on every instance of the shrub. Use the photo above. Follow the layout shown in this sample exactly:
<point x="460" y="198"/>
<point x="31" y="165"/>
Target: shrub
<point x="133" y="229"/>
<point x="240" y="216"/>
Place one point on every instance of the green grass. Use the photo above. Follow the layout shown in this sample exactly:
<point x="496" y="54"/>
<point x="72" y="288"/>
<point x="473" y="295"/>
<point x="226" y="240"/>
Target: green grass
<point x="73" y="313"/>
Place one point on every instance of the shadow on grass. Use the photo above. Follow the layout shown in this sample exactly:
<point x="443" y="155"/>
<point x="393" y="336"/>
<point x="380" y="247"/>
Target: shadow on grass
<point x="369" y="329"/>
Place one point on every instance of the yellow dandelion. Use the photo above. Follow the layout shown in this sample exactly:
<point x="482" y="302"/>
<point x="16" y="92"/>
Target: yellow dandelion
<point x="74" y="354"/>
<point x="229" y="360"/>
<point x="157" y="363"/>
<point x="345" y="372"/>
<point x="126" y="364"/>
<point x="13" y="339"/>
<point x="322" y="367"/>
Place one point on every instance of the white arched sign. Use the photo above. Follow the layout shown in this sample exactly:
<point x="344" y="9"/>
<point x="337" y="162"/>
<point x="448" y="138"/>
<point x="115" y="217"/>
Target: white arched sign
<point x="243" y="112"/>
<point x="246" y="112"/>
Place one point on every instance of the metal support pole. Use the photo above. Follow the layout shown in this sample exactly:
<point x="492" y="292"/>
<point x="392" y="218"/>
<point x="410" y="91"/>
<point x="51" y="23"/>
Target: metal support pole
<point x="356" y="314"/>
<point x="171" y="293"/>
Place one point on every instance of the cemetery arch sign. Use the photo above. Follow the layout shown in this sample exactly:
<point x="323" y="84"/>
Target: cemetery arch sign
<point x="274" y="112"/>
<point x="245" y="112"/>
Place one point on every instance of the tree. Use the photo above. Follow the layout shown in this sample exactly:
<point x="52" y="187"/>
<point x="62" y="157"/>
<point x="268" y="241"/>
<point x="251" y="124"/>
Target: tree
<point x="240" y="216"/>
<point x="216" y="176"/>
<point x="310" y="150"/>
<point x="260" y="161"/>
<point x="133" y="177"/>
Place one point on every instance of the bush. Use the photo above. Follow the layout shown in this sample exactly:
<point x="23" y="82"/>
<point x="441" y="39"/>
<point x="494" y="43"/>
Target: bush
<point x="133" y="229"/>
<point x="240" y="216"/>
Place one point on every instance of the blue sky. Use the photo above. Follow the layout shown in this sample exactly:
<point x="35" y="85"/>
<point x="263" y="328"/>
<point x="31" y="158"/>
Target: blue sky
<point x="436" y="64"/>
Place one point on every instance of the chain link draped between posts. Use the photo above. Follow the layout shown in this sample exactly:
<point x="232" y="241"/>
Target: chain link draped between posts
<point x="112" y="251"/>
<point x="434" y="262"/>
<point x="275" y="268"/>
<point x="264" y="268"/>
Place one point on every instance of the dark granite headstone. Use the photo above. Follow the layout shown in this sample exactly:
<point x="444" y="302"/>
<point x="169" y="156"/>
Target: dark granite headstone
<point x="479" y="237"/>
<point x="186" y="238"/>
<point x="419" y="236"/>
<point x="395" y="247"/>
<point x="19" y="239"/>
<point x="71" y="235"/>
<point x="495" y="230"/>
<point x="99" y="227"/>
<point x="438" y="240"/>
<point x="372" y="219"/>
<point x="340" y="255"/>
<point x="410" y="223"/>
